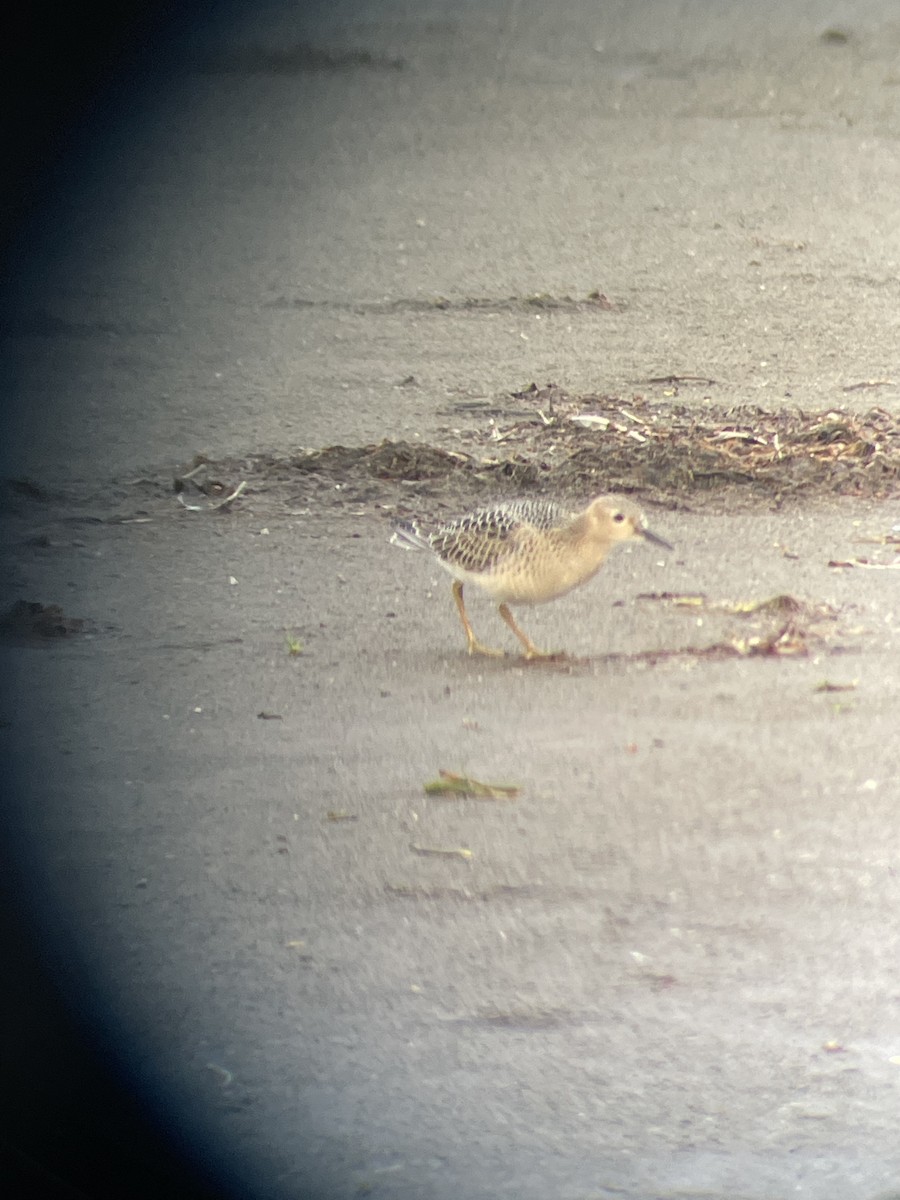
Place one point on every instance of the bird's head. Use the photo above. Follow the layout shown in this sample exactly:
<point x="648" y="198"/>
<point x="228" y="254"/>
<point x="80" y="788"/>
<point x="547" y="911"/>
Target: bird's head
<point x="617" y="519"/>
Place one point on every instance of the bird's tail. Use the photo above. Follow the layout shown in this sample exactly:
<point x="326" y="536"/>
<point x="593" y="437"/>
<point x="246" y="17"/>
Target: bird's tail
<point x="407" y="535"/>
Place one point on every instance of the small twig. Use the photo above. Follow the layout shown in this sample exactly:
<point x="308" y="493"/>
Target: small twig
<point x="676" y="379"/>
<point x="497" y="436"/>
<point x="868" y="383"/>
<point x="201" y="466"/>
<point x="190" y="507"/>
<point x="862" y="562"/>
<point x="725" y="435"/>
<point x="631" y="417"/>
<point x="442" y="852"/>
<point x="241" y="487"/>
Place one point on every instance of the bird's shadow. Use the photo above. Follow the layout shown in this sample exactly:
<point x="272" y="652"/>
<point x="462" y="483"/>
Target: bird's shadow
<point x="563" y="663"/>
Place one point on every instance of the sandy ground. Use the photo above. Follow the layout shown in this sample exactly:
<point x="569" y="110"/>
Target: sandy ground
<point x="665" y="969"/>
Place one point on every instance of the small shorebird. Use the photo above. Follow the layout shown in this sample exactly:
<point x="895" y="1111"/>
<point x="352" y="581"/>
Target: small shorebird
<point x="526" y="552"/>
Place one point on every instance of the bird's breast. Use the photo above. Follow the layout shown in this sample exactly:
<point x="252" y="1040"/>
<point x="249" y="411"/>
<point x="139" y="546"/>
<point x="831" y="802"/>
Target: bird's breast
<point x="542" y="572"/>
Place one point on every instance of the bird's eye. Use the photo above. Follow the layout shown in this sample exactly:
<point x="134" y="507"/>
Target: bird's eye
<point x="618" y="517"/>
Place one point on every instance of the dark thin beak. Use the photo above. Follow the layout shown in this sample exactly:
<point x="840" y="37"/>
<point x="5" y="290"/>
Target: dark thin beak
<point x="656" y="539"/>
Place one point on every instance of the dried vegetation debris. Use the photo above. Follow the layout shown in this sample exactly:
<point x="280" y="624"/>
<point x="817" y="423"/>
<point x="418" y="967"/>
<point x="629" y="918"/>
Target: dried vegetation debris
<point x="198" y="480"/>
<point x="595" y="301"/>
<point x="451" y="784"/>
<point x="387" y="460"/>
<point x="673" y="450"/>
<point x="698" y="454"/>
<point x="782" y="626"/>
<point x="28" y="622"/>
<point x="546" y="441"/>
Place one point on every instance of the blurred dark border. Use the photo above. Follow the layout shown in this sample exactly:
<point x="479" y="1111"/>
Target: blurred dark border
<point x="56" y="63"/>
<point x="72" y="1124"/>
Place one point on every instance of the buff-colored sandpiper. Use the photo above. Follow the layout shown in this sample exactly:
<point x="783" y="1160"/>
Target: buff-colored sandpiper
<point x="527" y="552"/>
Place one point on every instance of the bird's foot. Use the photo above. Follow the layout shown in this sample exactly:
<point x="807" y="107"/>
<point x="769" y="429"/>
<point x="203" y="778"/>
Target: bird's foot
<point x="475" y="647"/>
<point x="532" y="654"/>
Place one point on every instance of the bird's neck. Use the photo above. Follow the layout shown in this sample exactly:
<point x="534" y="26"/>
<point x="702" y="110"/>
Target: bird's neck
<point x="579" y="530"/>
<point x="582" y="533"/>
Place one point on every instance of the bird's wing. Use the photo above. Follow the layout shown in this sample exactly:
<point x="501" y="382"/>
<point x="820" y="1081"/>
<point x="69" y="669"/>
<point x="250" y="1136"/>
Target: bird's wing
<point x="478" y="542"/>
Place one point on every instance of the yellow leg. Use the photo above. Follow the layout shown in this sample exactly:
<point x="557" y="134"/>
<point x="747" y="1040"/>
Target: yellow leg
<point x="475" y="647"/>
<point x="531" y="650"/>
